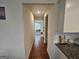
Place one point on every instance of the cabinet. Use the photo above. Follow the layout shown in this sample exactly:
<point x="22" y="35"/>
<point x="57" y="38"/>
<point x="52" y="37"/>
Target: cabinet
<point x="71" y="20"/>
<point x="59" y="54"/>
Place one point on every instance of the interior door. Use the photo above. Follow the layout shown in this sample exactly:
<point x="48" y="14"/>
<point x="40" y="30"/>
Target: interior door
<point x="46" y="29"/>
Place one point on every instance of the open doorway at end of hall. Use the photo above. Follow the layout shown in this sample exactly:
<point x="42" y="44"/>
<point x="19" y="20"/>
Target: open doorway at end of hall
<point x="38" y="24"/>
<point x="38" y="27"/>
<point x="41" y="28"/>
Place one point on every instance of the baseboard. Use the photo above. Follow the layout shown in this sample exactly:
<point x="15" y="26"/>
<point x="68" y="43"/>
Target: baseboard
<point x="31" y="49"/>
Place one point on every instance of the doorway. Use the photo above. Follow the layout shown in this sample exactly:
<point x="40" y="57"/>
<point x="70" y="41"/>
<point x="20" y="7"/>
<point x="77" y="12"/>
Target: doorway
<point x="38" y="24"/>
<point x="36" y="29"/>
<point x="46" y="29"/>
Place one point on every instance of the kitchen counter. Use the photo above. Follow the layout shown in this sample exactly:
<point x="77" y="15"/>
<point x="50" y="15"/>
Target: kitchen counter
<point x="69" y="50"/>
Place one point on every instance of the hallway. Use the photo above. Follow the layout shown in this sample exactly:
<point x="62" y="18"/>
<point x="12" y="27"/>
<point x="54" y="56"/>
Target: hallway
<point x="39" y="49"/>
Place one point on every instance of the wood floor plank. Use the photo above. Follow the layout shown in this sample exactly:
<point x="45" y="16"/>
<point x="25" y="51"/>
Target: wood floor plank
<point x="39" y="51"/>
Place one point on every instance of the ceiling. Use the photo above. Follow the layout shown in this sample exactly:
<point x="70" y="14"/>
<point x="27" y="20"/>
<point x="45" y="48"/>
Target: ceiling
<point x="39" y="10"/>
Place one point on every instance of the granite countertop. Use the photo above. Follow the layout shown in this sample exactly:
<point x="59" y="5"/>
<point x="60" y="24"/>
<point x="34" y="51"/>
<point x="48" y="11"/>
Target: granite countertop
<point x="70" y="50"/>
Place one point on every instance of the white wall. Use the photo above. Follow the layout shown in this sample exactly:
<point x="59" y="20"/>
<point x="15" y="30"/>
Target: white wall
<point x="71" y="16"/>
<point x="28" y="29"/>
<point x="11" y="30"/>
<point x="52" y="16"/>
<point x="55" y="24"/>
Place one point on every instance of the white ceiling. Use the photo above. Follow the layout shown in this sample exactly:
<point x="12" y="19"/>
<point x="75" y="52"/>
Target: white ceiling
<point x="41" y="8"/>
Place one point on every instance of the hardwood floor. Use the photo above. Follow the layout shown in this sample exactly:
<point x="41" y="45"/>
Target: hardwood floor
<point x="39" y="49"/>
